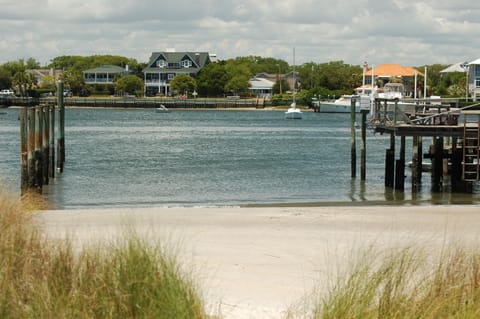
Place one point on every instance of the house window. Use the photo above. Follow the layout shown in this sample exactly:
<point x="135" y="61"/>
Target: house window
<point x="477" y="83"/>
<point x="161" y="63"/>
<point x="171" y="76"/>
<point x="186" y="63"/>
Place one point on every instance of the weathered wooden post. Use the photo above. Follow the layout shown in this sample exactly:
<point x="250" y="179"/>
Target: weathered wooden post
<point x="400" y="167"/>
<point x="38" y="147"/>
<point x="45" y="143"/>
<point x="353" y="146"/>
<point x="437" y="165"/>
<point x="415" y="160"/>
<point x="60" y="128"/>
<point x="51" y="141"/>
<point x="363" y="155"/>
<point x="390" y="163"/>
<point x="24" y="150"/>
<point x="31" y="146"/>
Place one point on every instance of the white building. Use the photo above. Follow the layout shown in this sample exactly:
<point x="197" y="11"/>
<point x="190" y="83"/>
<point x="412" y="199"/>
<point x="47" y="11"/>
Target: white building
<point x="261" y="87"/>
<point x="474" y="79"/>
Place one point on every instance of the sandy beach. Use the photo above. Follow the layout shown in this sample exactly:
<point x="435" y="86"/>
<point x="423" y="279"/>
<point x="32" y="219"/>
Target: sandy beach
<point x="258" y="262"/>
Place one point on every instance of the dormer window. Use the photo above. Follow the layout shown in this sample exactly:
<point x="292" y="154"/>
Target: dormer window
<point x="186" y="63"/>
<point x="161" y="63"/>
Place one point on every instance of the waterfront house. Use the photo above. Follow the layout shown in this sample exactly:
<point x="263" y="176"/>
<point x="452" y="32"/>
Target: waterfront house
<point x="293" y="79"/>
<point x="104" y="74"/>
<point x="457" y="67"/>
<point x="41" y="74"/>
<point x="385" y="73"/>
<point x="474" y="79"/>
<point x="164" y="66"/>
<point x="261" y="87"/>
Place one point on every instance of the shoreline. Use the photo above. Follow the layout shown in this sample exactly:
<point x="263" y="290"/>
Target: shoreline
<point x="256" y="262"/>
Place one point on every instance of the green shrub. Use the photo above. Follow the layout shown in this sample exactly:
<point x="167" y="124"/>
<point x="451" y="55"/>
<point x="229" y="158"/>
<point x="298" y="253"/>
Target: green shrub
<point x="41" y="278"/>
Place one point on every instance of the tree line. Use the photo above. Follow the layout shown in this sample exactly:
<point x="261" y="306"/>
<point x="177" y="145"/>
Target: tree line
<point x="229" y="76"/>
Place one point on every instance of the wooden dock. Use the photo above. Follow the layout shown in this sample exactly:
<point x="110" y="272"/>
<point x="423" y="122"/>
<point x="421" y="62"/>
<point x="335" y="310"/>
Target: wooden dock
<point x="113" y="102"/>
<point x="454" y="148"/>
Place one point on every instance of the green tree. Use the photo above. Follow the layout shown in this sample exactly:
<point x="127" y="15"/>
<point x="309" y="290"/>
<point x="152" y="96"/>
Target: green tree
<point x="130" y="84"/>
<point x="212" y="79"/>
<point x="183" y="83"/>
<point x="73" y="79"/>
<point x="32" y="64"/>
<point x="48" y="82"/>
<point x="5" y="78"/>
<point x="23" y="83"/>
<point x="238" y="85"/>
<point x="238" y="78"/>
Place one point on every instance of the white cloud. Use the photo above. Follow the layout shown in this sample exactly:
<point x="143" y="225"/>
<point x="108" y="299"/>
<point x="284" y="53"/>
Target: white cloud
<point x="409" y="32"/>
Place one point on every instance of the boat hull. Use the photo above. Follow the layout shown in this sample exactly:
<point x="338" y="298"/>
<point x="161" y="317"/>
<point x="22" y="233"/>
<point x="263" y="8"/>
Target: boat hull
<point x="326" y="107"/>
<point x="293" y="114"/>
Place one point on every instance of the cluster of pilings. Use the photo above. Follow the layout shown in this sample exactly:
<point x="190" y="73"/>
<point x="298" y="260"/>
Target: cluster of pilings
<point x="37" y="140"/>
<point x="446" y="152"/>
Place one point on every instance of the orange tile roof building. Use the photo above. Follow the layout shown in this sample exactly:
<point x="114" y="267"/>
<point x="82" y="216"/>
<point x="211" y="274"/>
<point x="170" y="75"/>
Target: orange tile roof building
<point x="384" y="73"/>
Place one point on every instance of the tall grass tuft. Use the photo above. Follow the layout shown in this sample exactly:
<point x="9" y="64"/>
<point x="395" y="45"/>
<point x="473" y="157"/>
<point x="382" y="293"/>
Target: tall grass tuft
<point x="404" y="283"/>
<point x="41" y="278"/>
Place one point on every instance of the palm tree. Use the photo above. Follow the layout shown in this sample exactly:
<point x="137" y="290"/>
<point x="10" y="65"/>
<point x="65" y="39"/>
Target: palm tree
<point x="23" y="82"/>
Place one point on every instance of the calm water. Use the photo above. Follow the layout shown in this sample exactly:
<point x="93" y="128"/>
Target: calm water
<point x="210" y="158"/>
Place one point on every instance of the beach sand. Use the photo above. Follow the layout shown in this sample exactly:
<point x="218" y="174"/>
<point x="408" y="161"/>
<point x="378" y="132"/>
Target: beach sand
<point x="258" y="262"/>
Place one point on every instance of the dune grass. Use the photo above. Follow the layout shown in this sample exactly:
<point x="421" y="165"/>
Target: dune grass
<point x="404" y="283"/>
<point x="42" y="278"/>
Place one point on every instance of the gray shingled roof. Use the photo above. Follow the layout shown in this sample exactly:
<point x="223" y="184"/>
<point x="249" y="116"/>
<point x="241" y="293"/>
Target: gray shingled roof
<point x="199" y="59"/>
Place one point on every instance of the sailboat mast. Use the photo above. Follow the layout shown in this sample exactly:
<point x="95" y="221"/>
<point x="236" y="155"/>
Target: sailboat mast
<point x="294" y="77"/>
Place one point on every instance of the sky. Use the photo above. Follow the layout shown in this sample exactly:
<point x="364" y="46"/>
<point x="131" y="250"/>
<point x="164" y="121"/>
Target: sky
<point x="407" y="32"/>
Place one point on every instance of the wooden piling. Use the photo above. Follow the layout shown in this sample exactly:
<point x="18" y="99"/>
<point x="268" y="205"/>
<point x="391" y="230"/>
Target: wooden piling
<point x="60" y="128"/>
<point x="363" y="155"/>
<point x="400" y="167"/>
<point x="437" y="164"/>
<point x="23" y="150"/>
<point x="456" y="170"/>
<point x="353" y="146"/>
<point x="416" y="159"/>
<point x="38" y="147"/>
<point x="45" y="144"/>
<point x="37" y="128"/>
<point x="390" y="163"/>
<point x="51" y="142"/>
<point x="31" y="147"/>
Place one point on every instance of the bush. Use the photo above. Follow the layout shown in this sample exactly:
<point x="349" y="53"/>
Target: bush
<point x="407" y="283"/>
<point x="40" y="278"/>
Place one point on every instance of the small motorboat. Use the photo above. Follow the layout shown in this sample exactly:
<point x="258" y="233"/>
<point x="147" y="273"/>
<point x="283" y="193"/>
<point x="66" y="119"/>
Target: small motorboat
<point x="162" y="109"/>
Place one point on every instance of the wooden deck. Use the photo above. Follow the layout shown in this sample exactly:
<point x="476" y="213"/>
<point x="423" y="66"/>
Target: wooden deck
<point x="455" y="140"/>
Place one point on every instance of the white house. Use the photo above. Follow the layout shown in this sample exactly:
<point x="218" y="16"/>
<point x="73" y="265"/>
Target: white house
<point x="261" y="87"/>
<point x="474" y="79"/>
<point x="164" y="66"/>
<point x="104" y="74"/>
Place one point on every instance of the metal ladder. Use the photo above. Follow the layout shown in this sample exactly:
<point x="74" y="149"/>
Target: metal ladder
<point x="471" y="148"/>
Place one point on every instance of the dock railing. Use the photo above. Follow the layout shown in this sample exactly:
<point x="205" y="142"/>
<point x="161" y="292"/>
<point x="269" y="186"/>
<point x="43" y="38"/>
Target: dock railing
<point x="431" y="111"/>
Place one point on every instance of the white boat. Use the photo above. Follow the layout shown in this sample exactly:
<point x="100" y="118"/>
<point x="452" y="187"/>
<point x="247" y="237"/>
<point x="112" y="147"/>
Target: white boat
<point x="343" y="104"/>
<point x="162" y="109"/>
<point x="293" y="113"/>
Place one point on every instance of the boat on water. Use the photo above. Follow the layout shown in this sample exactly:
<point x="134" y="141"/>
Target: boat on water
<point x="343" y="104"/>
<point x="293" y="113"/>
<point x="162" y="109"/>
<point x="364" y="95"/>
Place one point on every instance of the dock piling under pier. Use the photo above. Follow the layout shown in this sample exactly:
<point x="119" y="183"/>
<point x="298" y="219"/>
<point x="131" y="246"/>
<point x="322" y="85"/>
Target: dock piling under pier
<point x="459" y="157"/>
